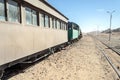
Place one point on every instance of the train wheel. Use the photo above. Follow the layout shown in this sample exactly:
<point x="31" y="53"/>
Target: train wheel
<point x="1" y="73"/>
<point x="60" y="48"/>
<point x="51" y="50"/>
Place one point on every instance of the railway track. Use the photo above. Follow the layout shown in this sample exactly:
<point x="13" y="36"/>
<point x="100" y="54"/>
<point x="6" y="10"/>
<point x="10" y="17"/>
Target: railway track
<point x="110" y="55"/>
<point x="113" y="45"/>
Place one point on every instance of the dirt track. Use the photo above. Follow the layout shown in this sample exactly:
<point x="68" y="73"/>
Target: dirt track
<point x="81" y="61"/>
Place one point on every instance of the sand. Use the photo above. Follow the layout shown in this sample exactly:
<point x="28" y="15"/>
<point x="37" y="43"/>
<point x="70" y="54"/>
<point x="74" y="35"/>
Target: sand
<point x="81" y="61"/>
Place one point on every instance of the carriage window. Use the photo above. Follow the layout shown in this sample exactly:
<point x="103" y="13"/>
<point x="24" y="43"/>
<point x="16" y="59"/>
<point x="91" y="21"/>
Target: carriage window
<point x="28" y="16"/>
<point x="53" y="21"/>
<point x="34" y="15"/>
<point x="31" y="16"/>
<point x="46" y="21"/>
<point x="42" y="20"/>
<point x="58" y="24"/>
<point x="13" y="11"/>
<point x="65" y="26"/>
<point x="61" y="25"/>
<point x="2" y="10"/>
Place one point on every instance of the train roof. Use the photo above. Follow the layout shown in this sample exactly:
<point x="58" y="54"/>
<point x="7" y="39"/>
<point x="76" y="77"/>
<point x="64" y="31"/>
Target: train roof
<point x="73" y="23"/>
<point x="44" y="6"/>
<point x="44" y="1"/>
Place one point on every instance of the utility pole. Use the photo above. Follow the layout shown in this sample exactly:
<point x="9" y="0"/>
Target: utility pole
<point x="110" y="23"/>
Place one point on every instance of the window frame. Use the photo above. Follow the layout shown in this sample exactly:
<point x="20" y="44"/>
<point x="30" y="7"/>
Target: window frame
<point x="6" y="11"/>
<point x="31" y="12"/>
<point x="19" y="11"/>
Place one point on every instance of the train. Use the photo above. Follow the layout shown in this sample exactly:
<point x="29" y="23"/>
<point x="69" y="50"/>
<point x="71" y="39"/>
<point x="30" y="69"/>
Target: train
<point x="29" y="29"/>
<point x="74" y="32"/>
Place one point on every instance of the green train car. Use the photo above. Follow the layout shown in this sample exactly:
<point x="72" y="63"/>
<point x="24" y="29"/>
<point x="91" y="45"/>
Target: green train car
<point x="74" y="31"/>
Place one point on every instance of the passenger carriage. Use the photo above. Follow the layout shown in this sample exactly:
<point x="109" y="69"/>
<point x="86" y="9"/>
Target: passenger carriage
<point x="28" y="27"/>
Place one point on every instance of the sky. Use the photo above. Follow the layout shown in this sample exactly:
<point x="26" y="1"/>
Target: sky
<point x="90" y="15"/>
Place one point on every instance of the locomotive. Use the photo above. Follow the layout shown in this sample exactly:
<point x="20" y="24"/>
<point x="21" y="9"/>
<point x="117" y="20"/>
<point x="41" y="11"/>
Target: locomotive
<point x="29" y="29"/>
<point x="74" y="32"/>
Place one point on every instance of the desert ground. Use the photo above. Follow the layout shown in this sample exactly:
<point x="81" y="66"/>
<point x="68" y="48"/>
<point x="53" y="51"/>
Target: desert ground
<point x="80" y="61"/>
<point x="114" y="38"/>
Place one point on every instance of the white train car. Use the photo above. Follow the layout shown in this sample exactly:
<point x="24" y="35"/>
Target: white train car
<point x="28" y="27"/>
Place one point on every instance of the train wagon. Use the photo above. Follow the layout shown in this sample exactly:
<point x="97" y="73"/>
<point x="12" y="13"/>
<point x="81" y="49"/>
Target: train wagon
<point x="74" y="32"/>
<point x="28" y="27"/>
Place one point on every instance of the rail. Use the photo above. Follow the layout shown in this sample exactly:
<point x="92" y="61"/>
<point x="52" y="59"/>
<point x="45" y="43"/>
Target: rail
<point x="106" y="56"/>
<point x="109" y="60"/>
